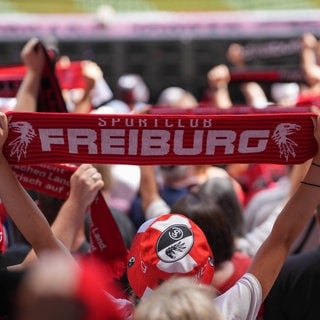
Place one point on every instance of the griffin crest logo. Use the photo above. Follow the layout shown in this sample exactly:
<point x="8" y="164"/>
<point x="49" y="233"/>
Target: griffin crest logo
<point x="285" y="144"/>
<point x="25" y="135"/>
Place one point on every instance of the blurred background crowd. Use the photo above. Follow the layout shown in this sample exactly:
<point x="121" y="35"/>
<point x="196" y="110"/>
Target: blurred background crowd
<point x="168" y="43"/>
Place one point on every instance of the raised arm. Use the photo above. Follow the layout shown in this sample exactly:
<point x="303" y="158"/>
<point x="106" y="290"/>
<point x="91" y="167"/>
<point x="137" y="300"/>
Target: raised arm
<point x="21" y="208"/>
<point x="33" y="58"/>
<point x="308" y="50"/>
<point x="152" y="203"/>
<point x="85" y="184"/>
<point x="92" y="74"/>
<point x="269" y="259"/>
<point x="218" y="80"/>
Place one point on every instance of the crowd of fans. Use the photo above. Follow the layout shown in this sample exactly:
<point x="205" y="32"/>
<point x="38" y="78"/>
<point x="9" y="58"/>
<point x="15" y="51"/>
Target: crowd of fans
<point x="229" y="241"/>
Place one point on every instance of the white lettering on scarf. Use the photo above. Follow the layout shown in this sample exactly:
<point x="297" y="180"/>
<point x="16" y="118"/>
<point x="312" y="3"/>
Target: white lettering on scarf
<point x="154" y="142"/>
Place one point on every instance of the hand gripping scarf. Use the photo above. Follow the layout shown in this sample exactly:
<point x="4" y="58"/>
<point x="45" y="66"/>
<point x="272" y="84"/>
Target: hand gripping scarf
<point x="106" y="242"/>
<point x="150" y="139"/>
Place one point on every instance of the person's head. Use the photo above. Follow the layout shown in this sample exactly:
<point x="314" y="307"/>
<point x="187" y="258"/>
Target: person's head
<point x="177" y="97"/>
<point x="208" y="215"/>
<point x="176" y="175"/>
<point x="131" y="88"/>
<point x="235" y="54"/>
<point x="222" y="191"/>
<point x="56" y="287"/>
<point x="179" y="299"/>
<point x="170" y="245"/>
<point x="49" y="205"/>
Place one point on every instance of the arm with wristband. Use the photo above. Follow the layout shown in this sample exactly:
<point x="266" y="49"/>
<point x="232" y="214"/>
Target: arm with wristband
<point x="298" y="210"/>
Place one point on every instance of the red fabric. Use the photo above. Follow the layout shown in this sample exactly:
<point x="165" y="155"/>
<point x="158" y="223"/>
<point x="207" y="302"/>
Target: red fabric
<point x="3" y="212"/>
<point x="105" y="238"/>
<point x="70" y="76"/>
<point x="206" y="107"/>
<point x="90" y="291"/>
<point x="159" y="139"/>
<point x="266" y="75"/>
<point x="241" y="263"/>
<point x="10" y="80"/>
<point x="50" y="97"/>
<point x="309" y="99"/>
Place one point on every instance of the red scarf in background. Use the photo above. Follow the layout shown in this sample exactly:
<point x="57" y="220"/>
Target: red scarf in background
<point x="160" y="139"/>
<point x="49" y="99"/>
<point x="267" y="75"/>
<point x="105" y="238"/>
<point x="70" y="75"/>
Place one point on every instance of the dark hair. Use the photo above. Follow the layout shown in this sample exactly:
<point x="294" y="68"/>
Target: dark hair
<point x="221" y="191"/>
<point x="210" y="218"/>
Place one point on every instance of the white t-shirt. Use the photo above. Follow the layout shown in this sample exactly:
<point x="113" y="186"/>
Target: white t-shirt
<point x="242" y="301"/>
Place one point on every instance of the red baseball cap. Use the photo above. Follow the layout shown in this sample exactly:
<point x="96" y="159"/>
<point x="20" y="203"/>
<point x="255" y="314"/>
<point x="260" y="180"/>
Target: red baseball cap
<point x="170" y="245"/>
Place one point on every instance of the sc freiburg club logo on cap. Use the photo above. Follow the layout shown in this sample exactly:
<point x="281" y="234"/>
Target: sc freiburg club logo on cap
<point x="174" y="243"/>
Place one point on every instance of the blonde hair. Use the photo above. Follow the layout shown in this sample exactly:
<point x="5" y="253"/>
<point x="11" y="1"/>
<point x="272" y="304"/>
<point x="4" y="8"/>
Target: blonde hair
<point x="179" y="298"/>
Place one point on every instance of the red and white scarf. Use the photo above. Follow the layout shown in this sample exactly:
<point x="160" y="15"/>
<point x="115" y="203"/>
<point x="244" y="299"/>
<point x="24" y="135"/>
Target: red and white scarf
<point x="151" y="139"/>
<point x="38" y="141"/>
